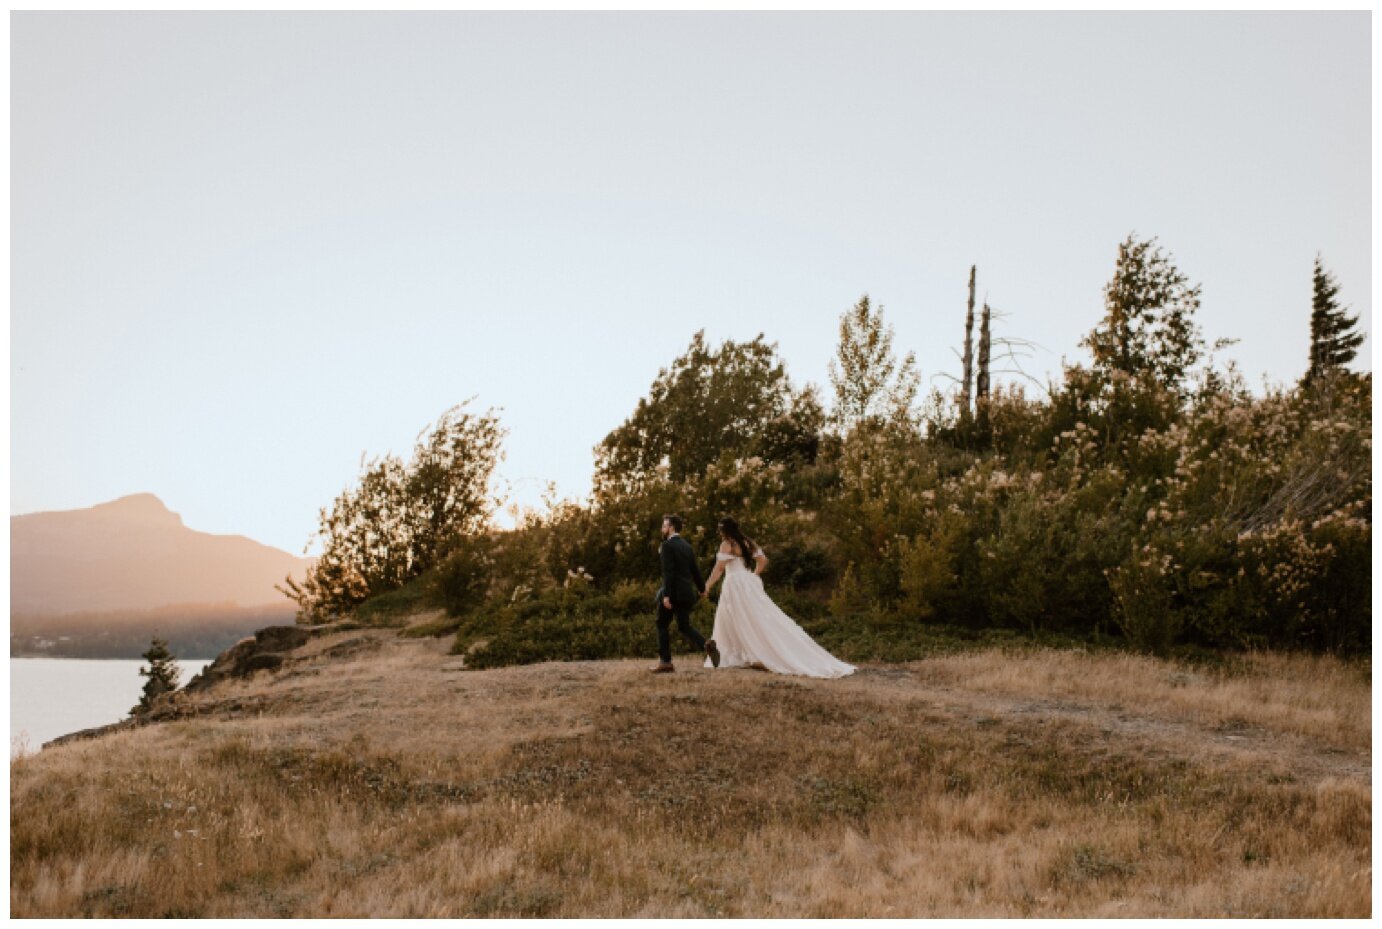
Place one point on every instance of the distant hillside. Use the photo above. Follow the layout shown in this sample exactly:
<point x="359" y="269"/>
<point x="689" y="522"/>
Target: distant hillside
<point x="192" y="631"/>
<point x="132" y="554"/>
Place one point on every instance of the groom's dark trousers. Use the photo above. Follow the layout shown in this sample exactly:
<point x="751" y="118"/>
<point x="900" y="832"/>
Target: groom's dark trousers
<point x="682" y="584"/>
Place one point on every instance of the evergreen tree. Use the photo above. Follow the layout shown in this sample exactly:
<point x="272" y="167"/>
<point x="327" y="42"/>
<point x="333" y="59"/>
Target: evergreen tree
<point x="868" y="381"/>
<point x="1333" y="340"/>
<point x="162" y="674"/>
<point x="1148" y="330"/>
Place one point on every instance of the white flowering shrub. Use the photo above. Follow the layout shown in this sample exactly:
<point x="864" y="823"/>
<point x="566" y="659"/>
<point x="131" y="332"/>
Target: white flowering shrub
<point x="883" y="494"/>
<point x="1268" y="512"/>
<point x="1229" y="520"/>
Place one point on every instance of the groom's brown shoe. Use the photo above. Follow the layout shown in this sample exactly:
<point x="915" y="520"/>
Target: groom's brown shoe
<point x="714" y="652"/>
<point x="662" y="669"/>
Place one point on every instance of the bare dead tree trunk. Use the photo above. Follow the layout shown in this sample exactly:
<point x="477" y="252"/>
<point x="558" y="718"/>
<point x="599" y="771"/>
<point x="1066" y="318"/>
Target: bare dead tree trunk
<point x="984" y="345"/>
<point x="968" y="381"/>
<point x="982" y="399"/>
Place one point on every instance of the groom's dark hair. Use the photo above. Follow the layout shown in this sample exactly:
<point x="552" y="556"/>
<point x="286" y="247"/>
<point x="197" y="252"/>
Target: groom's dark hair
<point x="674" y="519"/>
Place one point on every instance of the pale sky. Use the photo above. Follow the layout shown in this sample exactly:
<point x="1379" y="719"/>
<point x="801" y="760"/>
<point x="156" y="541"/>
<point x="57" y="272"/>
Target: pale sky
<point x="248" y="247"/>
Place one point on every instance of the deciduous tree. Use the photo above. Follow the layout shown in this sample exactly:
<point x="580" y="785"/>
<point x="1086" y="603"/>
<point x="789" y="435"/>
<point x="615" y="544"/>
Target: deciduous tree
<point x="869" y="383"/>
<point x="736" y="398"/>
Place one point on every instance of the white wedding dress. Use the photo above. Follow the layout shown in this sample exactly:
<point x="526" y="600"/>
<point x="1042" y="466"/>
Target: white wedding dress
<point x="749" y="629"/>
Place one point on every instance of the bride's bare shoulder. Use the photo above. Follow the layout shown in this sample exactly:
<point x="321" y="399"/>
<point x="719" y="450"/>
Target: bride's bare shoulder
<point x="727" y="547"/>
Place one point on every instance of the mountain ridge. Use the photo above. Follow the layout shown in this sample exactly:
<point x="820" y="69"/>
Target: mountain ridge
<point x="135" y="553"/>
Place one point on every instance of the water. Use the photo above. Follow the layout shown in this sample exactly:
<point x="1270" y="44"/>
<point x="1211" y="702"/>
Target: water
<point x="50" y="697"/>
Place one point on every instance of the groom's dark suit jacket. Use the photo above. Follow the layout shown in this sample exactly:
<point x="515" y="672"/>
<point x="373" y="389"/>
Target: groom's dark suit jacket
<point x="681" y="578"/>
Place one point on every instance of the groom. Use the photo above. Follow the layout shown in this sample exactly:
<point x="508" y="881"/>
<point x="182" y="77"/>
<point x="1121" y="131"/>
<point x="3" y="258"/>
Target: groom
<point x="681" y="588"/>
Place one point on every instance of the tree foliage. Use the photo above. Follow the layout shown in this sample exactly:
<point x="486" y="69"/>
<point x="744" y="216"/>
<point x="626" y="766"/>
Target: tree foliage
<point x="868" y="380"/>
<point x="1333" y="339"/>
<point x="402" y="518"/>
<point x="736" y="399"/>
<point x="162" y="674"/>
<point x="1148" y="332"/>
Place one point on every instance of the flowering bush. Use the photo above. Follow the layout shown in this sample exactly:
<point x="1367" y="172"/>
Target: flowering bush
<point x="1142" y="601"/>
<point x="1231" y="521"/>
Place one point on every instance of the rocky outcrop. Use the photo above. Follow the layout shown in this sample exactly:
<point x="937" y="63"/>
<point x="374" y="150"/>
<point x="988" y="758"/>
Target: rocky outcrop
<point x="261" y="652"/>
<point x="264" y="651"/>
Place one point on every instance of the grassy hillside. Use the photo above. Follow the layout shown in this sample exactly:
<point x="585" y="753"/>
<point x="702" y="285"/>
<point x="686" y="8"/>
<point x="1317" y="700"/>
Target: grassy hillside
<point x="372" y="776"/>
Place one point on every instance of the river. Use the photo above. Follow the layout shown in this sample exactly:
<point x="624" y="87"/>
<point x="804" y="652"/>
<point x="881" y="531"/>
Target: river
<point x="50" y="697"/>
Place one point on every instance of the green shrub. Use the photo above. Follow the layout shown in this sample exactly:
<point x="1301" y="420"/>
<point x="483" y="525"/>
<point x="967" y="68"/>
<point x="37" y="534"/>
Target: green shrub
<point x="463" y="578"/>
<point x="797" y="566"/>
<point x="393" y="608"/>
<point x="1143" y="604"/>
<point x="569" y="625"/>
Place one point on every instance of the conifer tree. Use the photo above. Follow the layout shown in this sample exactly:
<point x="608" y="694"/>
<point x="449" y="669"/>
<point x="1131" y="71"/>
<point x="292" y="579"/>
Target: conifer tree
<point x="162" y="674"/>
<point x="1333" y="339"/>
<point x="1148" y="329"/>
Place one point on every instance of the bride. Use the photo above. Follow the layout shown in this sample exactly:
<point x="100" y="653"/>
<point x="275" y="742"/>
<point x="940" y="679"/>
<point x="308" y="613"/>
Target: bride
<point x="750" y="630"/>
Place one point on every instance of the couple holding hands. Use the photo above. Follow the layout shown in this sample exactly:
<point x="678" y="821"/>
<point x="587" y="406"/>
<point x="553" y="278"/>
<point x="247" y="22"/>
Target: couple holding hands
<point x="750" y="630"/>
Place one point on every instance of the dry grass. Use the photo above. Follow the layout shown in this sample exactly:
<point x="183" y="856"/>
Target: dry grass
<point x="372" y="781"/>
<point x="1319" y="698"/>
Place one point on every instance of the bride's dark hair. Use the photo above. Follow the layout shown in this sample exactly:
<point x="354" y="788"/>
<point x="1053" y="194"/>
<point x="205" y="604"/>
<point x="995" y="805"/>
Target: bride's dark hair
<point x="730" y="530"/>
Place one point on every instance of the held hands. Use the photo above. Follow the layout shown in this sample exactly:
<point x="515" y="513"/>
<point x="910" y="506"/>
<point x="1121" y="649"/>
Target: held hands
<point x="667" y="602"/>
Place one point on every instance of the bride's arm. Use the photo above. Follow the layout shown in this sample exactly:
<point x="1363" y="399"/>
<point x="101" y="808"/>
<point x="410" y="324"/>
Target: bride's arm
<point x="714" y="575"/>
<point x="762" y="561"/>
<point x="718" y="571"/>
